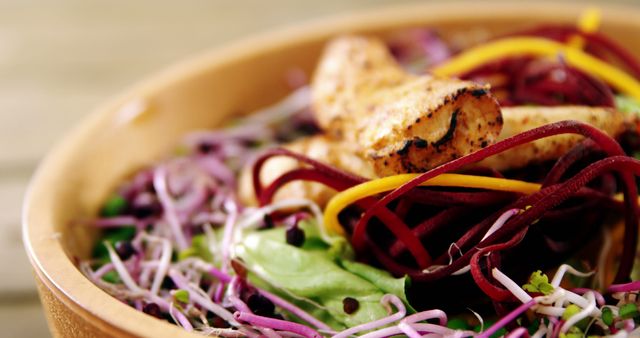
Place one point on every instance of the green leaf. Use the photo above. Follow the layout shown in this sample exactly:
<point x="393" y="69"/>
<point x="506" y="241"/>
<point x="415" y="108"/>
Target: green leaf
<point x="112" y="236"/>
<point x="111" y="277"/>
<point x="186" y="253"/>
<point x="629" y="310"/>
<point x="115" y="206"/>
<point x="181" y="295"/>
<point x="570" y="311"/>
<point x="380" y="278"/>
<point x="571" y="335"/>
<point x="199" y="248"/>
<point x="533" y="327"/>
<point x="539" y="282"/>
<point x="607" y="316"/>
<point x="315" y="279"/>
<point x="458" y="324"/>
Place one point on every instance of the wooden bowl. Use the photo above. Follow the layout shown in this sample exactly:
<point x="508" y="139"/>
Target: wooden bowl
<point x="143" y="124"/>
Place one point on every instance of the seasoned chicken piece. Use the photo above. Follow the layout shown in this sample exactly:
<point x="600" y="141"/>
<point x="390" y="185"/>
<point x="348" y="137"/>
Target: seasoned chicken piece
<point x="520" y="119"/>
<point x="320" y="148"/>
<point x="401" y="122"/>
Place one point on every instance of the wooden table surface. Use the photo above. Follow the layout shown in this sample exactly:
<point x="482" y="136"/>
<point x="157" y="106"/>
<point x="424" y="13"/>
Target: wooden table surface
<point x="58" y="60"/>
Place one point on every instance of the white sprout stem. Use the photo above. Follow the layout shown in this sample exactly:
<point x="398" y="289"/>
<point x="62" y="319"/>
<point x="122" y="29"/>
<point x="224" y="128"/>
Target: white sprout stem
<point x="408" y="330"/>
<point x="510" y="285"/>
<point x="550" y="310"/>
<point x="257" y="215"/>
<point x="564" y="268"/>
<point x="150" y="264"/>
<point x="249" y="332"/>
<point x="145" y="274"/>
<point x="160" y="184"/>
<point x="479" y="317"/>
<point x="163" y="266"/>
<point x="179" y="318"/>
<point x="550" y="328"/>
<point x="386" y="299"/>
<point x="201" y="298"/>
<point x="581" y="301"/>
<point x="451" y="246"/>
<point x="436" y="330"/>
<point x="584" y="313"/>
<point x="517" y="333"/>
<point x="227" y="237"/>
<point x="555" y="298"/>
<point x="219" y="332"/>
<point x="100" y="272"/>
<point x="212" y="240"/>
<point x="462" y="270"/>
<point x="500" y="222"/>
<point x="122" y="270"/>
<point x="425" y="315"/>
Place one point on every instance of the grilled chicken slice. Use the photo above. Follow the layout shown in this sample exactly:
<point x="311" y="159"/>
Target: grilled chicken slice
<point x="400" y="122"/>
<point x="319" y="147"/>
<point x="521" y="119"/>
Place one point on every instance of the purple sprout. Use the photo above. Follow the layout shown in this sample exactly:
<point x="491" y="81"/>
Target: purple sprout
<point x="276" y="324"/>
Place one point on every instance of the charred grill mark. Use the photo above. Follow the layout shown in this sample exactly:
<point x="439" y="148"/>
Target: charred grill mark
<point x="477" y="93"/>
<point x="459" y="92"/>
<point x="449" y="134"/>
<point x="420" y="143"/>
<point x="405" y="148"/>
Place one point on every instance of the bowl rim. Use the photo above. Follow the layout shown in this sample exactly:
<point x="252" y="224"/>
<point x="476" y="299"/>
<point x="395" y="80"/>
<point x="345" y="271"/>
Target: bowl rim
<point x="49" y="261"/>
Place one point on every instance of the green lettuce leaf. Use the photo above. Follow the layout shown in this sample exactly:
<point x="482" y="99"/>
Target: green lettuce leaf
<point x="318" y="276"/>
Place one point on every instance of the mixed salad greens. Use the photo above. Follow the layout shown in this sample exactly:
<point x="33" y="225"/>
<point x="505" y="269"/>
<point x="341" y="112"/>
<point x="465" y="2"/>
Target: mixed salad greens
<point x="546" y="250"/>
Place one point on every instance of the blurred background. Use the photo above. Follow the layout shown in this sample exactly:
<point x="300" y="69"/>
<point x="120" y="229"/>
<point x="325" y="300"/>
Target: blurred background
<point x="59" y="60"/>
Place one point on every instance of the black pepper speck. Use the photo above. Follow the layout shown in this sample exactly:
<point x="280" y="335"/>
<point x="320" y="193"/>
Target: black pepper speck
<point x="125" y="250"/>
<point x="350" y="305"/>
<point x="260" y="305"/>
<point x="295" y="236"/>
<point x="152" y="309"/>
